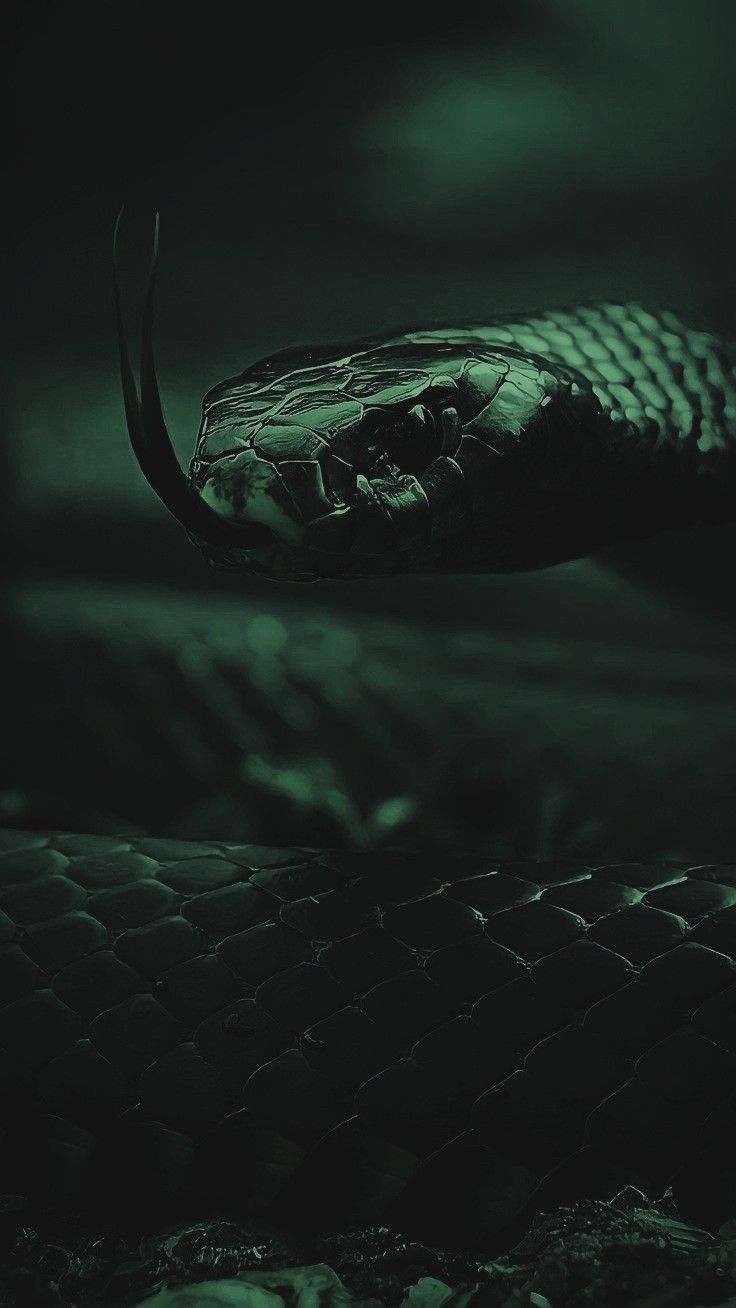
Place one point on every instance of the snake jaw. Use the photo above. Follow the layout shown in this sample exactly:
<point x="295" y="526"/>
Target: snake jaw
<point x="388" y="514"/>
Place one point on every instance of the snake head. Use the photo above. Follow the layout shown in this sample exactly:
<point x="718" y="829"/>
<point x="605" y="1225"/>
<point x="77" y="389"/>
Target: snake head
<point x="426" y="451"/>
<point x="345" y="458"/>
<point x="420" y="453"/>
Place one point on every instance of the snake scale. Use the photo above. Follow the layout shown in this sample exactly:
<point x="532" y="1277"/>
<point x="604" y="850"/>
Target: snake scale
<point x="340" y="1038"/>
<point x="445" y="1045"/>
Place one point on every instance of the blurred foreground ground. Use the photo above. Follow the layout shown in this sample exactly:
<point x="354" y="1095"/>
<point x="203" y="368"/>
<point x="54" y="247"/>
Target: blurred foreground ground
<point x="589" y="719"/>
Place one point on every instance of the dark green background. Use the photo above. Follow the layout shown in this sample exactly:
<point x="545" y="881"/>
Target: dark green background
<point x="323" y="177"/>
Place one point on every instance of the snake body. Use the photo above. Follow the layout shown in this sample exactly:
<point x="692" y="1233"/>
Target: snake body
<point x="442" y="1046"/>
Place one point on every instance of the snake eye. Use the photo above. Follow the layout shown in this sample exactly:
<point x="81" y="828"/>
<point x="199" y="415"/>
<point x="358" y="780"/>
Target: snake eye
<point x="417" y="441"/>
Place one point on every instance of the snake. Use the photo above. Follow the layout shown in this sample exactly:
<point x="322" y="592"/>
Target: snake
<point x="445" y="1045"/>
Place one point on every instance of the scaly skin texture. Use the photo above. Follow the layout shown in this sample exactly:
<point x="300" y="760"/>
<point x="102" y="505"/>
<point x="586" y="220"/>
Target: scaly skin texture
<point x="336" y="1039"/>
<point x="446" y="1047"/>
<point x="510" y="445"/>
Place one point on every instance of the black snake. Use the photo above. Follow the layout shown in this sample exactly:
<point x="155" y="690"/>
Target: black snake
<point x="446" y="1045"/>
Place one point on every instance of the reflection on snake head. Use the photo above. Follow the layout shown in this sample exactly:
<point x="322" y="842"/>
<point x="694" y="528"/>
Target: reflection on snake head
<point x="481" y="448"/>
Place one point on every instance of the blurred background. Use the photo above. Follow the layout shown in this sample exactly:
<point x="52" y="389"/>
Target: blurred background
<point x="323" y="177"/>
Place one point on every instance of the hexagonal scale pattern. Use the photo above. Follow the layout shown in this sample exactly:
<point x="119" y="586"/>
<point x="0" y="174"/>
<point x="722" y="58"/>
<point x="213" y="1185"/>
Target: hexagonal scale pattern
<point x="307" y="1035"/>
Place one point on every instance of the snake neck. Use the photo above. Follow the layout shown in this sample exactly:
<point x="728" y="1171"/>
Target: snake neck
<point x="662" y="409"/>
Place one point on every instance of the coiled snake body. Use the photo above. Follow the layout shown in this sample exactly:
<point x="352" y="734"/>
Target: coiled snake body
<point x="446" y="1046"/>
